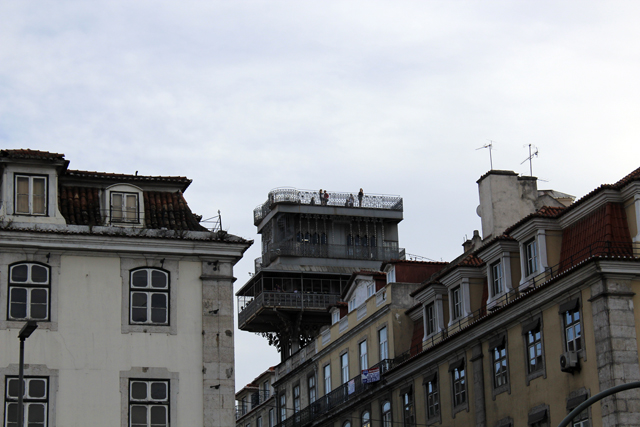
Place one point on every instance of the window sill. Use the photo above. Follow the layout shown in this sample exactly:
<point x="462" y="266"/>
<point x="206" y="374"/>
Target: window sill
<point x="536" y="374"/>
<point x="18" y="324"/>
<point x="151" y="329"/>
<point x="499" y="390"/>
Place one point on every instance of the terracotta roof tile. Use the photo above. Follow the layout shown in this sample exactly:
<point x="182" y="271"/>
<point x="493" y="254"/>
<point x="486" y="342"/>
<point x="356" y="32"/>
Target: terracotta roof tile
<point x="80" y="205"/>
<point x="471" y="261"/>
<point x="30" y="154"/>
<point x="603" y="232"/>
<point x="543" y="212"/>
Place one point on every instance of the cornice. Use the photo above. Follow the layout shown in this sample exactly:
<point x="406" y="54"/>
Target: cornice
<point x="589" y="206"/>
<point x="531" y="226"/>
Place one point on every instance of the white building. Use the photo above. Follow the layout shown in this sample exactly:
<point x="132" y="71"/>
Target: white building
<point x="133" y="299"/>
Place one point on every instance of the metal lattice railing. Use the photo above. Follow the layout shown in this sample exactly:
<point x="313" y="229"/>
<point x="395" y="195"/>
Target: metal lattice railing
<point x="309" y="197"/>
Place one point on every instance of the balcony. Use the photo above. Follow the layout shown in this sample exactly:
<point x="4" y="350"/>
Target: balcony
<point x="336" y="199"/>
<point x="306" y="249"/>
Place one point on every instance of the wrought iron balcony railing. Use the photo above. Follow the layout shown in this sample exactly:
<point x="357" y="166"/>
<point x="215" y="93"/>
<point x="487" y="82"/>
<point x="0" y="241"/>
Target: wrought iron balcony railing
<point x="309" y="197"/>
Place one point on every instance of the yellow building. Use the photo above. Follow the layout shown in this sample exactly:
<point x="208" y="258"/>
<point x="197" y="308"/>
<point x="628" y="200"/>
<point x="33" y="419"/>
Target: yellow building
<point x="526" y="324"/>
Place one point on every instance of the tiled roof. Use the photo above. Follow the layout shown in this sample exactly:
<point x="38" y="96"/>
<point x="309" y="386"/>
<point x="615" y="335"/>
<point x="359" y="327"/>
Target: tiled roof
<point x="30" y="154"/>
<point x="120" y="177"/>
<point x="471" y="261"/>
<point x="604" y="231"/>
<point x="543" y="212"/>
<point x="81" y="206"/>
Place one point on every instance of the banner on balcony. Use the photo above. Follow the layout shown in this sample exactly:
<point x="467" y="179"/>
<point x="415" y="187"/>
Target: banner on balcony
<point x="351" y="387"/>
<point x="370" y="375"/>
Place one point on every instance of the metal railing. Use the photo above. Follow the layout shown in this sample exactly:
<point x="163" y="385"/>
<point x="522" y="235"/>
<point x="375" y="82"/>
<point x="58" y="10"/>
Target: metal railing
<point x="310" y="197"/>
<point x="333" y="399"/>
<point x="291" y="300"/>
<point x="305" y="249"/>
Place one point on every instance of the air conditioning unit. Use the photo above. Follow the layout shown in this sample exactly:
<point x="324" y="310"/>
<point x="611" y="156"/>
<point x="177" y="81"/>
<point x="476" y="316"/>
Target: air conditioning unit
<point x="569" y="362"/>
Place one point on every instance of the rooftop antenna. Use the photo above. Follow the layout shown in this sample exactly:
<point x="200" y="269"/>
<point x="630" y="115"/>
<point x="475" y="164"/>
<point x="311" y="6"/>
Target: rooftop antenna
<point x="490" y="147"/>
<point x="531" y="156"/>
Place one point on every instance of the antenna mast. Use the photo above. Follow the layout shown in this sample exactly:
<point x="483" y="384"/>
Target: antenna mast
<point x="531" y="156"/>
<point x="490" y="147"/>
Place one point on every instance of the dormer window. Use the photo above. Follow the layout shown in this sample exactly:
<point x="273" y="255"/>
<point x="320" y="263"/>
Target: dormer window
<point x="391" y="274"/>
<point x="531" y="257"/>
<point x="124" y="207"/>
<point x="352" y="304"/>
<point x="497" y="285"/>
<point x="335" y="317"/>
<point x="30" y="195"/>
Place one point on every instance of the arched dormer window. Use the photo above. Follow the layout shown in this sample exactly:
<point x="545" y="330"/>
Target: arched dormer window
<point x="125" y="206"/>
<point x="29" y="291"/>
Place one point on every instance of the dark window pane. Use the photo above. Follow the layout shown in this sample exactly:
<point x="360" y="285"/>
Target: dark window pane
<point x="158" y="279"/>
<point x="138" y="390"/>
<point x="37" y="388"/>
<point x="138" y="299"/>
<point x="38" y="311"/>
<point x="12" y="413"/>
<point x="158" y="416"/>
<point x="18" y="303"/>
<point x="14" y="385"/>
<point x="158" y="315"/>
<point x="138" y="314"/>
<point x="19" y="273"/>
<point x="38" y="274"/>
<point x="139" y="279"/>
<point x="158" y="300"/>
<point x="38" y="296"/>
<point x="138" y="415"/>
<point x="35" y="413"/>
<point x="158" y="391"/>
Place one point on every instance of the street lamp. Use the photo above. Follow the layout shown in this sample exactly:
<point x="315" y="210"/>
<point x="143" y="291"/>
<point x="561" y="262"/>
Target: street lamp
<point x="25" y="333"/>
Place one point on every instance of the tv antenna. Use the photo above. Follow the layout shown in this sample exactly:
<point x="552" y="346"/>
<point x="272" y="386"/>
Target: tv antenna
<point x="490" y="147"/>
<point x="530" y="158"/>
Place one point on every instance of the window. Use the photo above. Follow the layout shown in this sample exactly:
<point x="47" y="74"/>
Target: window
<point x="382" y="339"/>
<point x="499" y="359"/>
<point x="459" y="383"/>
<point x="431" y="318"/>
<point x="582" y="419"/>
<point x="457" y="302"/>
<point x="531" y="257"/>
<point x="124" y="207"/>
<point x="496" y="279"/>
<point x="259" y="422"/>
<point x="386" y="414"/>
<point x="335" y="317"/>
<point x="30" y="195"/>
<point x="362" y="349"/>
<point x="539" y="416"/>
<point x="371" y="289"/>
<point x="344" y="367"/>
<point x="352" y="304"/>
<point x="366" y="419"/>
<point x="149" y="297"/>
<point x="29" y="292"/>
<point x="346" y="424"/>
<point x="407" y="408"/>
<point x="243" y="406"/>
<point x="327" y="379"/>
<point x="296" y="399"/>
<point x="148" y="403"/>
<point x="431" y="393"/>
<point x="35" y="401"/>
<point x="283" y="407"/>
<point x="265" y="390"/>
<point x="391" y="275"/>
<point x="272" y="418"/>
<point x="311" y="381"/>
<point x="570" y="312"/>
<point x="534" y="349"/>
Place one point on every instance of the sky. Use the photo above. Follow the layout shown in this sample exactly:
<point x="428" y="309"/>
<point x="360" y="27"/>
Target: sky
<point x="395" y="97"/>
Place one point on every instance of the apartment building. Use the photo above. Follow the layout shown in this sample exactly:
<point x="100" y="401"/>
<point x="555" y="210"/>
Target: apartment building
<point x="131" y="294"/>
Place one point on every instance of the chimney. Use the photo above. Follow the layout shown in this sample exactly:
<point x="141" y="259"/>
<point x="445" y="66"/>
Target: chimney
<point x="505" y="198"/>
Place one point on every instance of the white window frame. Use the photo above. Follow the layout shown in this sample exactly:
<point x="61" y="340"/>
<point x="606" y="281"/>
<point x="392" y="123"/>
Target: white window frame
<point x="121" y="220"/>
<point x="344" y="368"/>
<point x="149" y="403"/>
<point x="127" y="214"/>
<point x="391" y="274"/>
<point x="362" y="351"/>
<point x="352" y="304"/>
<point x="456" y="303"/>
<point x="497" y="279"/>
<point x="531" y="257"/>
<point x="383" y="343"/>
<point x="431" y="318"/>
<point x="29" y="400"/>
<point x="335" y="316"/>
<point x="371" y="289"/>
<point x="31" y="195"/>
<point x="149" y="291"/>
<point x="327" y="378"/>
<point x="30" y="286"/>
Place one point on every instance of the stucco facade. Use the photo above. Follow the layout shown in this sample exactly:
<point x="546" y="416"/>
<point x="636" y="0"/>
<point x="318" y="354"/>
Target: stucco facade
<point x="138" y="296"/>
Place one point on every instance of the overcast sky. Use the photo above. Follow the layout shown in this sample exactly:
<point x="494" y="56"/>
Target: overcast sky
<point x="392" y="96"/>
